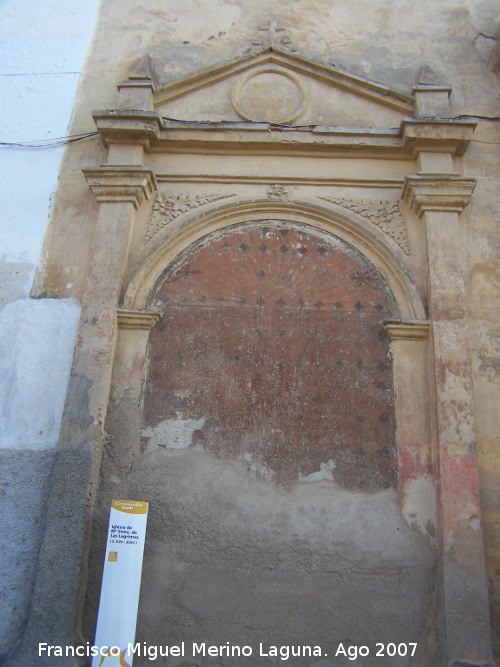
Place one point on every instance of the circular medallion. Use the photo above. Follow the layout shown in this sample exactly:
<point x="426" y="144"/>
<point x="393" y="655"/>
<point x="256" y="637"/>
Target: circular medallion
<point x="270" y="95"/>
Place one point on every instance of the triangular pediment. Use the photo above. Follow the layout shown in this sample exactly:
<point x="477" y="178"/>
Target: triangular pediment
<point x="277" y="87"/>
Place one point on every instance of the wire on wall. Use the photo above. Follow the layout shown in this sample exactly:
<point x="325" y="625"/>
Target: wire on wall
<point x="73" y="138"/>
<point x="48" y="143"/>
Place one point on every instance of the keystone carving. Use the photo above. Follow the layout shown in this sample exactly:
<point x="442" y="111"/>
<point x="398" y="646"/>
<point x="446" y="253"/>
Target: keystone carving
<point x="167" y="207"/>
<point x="384" y="215"/>
<point x="277" y="193"/>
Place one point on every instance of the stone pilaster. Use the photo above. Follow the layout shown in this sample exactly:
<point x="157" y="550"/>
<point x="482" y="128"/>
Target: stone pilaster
<point x="409" y="347"/>
<point x="439" y="199"/>
<point x="130" y="356"/>
<point x="120" y="191"/>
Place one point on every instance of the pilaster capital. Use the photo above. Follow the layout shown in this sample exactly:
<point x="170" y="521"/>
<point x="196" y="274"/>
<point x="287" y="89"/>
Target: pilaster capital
<point x="121" y="184"/>
<point x="412" y="330"/>
<point x="438" y="192"/>
<point x="137" y="319"/>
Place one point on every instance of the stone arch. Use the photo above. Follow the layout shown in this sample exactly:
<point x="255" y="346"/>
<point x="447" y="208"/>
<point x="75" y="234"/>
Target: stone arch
<point x="323" y="541"/>
<point x="216" y="512"/>
<point x="272" y="350"/>
<point x="348" y="229"/>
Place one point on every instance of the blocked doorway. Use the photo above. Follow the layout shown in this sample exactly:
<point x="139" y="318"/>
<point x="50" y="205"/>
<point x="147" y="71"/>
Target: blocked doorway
<point x="268" y="453"/>
<point x="272" y="351"/>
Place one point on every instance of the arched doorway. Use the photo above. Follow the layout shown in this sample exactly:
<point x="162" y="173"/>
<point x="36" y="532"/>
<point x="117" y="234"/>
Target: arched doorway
<point x="264" y="440"/>
<point x="268" y="453"/>
<point x="272" y="351"/>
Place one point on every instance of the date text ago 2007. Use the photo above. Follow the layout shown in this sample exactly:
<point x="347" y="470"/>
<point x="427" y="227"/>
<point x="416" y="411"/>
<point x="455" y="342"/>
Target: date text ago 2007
<point x="390" y="650"/>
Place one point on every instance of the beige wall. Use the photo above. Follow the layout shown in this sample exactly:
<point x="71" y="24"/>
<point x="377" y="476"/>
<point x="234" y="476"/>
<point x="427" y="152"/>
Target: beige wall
<point x="387" y="42"/>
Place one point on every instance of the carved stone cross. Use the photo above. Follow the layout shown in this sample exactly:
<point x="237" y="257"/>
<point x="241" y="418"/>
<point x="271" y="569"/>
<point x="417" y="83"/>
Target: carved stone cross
<point x="271" y="29"/>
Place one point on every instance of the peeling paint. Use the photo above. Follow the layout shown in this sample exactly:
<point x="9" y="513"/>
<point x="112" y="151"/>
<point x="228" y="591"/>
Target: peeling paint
<point x="174" y="433"/>
<point x="460" y="426"/>
<point x="258" y="470"/>
<point x="419" y="505"/>
<point x="325" y="472"/>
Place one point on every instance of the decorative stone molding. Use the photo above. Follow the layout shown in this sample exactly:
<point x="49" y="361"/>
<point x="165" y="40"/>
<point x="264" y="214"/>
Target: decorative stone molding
<point x="324" y="182"/>
<point x="278" y="53"/>
<point x="137" y="91"/>
<point x="137" y="319"/>
<point x="432" y="101"/>
<point x="384" y="215"/>
<point x="135" y="95"/>
<point x="440" y="135"/>
<point x="399" y="330"/>
<point x="438" y="192"/>
<point x="121" y="184"/>
<point x="128" y="126"/>
<point x="167" y="207"/>
<point x="277" y="192"/>
<point x="270" y="94"/>
<point x="142" y="71"/>
<point x="414" y="135"/>
<point x="431" y="97"/>
<point x="216" y="218"/>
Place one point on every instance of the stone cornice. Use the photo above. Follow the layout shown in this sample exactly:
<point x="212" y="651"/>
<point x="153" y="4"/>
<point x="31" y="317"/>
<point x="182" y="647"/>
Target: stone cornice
<point x="157" y="134"/>
<point x="438" y="192"/>
<point x="121" y="184"/>
<point x="437" y="135"/>
<point x="129" y="127"/>
<point x="137" y="319"/>
<point x="414" y="330"/>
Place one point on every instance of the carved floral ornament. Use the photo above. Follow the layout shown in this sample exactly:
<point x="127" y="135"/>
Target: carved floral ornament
<point x="168" y="207"/>
<point x="277" y="192"/>
<point x="385" y="215"/>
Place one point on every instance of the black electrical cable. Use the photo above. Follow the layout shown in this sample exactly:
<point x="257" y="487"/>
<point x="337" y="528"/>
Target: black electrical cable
<point x="204" y="123"/>
<point x="70" y="139"/>
<point x="49" y="143"/>
<point x="476" y="117"/>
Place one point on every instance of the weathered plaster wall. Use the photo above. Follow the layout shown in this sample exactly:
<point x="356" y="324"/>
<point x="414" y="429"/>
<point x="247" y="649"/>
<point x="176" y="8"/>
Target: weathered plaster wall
<point x="42" y="48"/>
<point x="385" y="41"/>
<point x="390" y="45"/>
<point x="233" y="558"/>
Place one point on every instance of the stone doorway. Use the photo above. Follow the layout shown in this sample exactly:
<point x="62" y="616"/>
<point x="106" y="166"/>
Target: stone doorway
<point x="265" y="443"/>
